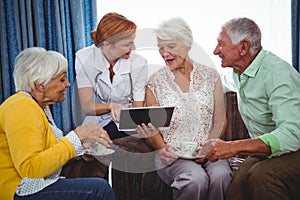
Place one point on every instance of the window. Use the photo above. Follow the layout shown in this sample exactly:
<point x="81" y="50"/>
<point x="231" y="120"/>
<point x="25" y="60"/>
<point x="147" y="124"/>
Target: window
<point x="206" y="17"/>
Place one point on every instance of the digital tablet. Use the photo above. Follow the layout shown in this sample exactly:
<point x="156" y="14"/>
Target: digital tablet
<point x="159" y="116"/>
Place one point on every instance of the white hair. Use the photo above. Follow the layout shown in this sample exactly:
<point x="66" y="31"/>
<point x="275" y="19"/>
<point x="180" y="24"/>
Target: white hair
<point x="239" y="29"/>
<point x="175" y="28"/>
<point x="37" y="64"/>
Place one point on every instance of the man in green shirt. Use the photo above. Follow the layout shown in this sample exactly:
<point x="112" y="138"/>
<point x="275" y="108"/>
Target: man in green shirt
<point x="268" y="91"/>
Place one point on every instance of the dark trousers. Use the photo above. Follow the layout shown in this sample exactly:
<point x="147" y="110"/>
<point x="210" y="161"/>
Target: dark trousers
<point x="263" y="179"/>
<point x="114" y="133"/>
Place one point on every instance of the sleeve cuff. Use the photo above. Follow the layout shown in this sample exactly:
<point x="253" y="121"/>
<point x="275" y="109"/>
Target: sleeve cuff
<point x="271" y="141"/>
<point x="74" y="139"/>
<point x="139" y="97"/>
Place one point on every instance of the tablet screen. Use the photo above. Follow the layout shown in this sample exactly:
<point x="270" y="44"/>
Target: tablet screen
<point x="159" y="116"/>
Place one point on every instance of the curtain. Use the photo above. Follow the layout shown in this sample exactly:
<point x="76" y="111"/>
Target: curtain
<point x="60" y="25"/>
<point x="295" y="33"/>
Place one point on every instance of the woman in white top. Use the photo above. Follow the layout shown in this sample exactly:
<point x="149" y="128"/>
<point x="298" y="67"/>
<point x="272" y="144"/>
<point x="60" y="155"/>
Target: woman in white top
<point x="109" y="75"/>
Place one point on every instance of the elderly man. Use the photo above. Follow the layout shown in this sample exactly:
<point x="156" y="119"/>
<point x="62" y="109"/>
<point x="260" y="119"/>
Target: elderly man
<point x="268" y="91"/>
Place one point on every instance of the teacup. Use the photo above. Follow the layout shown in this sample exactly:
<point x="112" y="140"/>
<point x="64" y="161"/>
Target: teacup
<point x="185" y="149"/>
<point x="95" y="148"/>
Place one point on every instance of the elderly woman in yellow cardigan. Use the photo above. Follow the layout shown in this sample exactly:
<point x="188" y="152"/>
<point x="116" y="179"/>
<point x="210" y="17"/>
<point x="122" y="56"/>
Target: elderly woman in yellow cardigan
<point x="33" y="149"/>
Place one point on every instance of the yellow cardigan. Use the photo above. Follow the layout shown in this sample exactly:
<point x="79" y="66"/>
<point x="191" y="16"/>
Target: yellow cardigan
<point x="28" y="146"/>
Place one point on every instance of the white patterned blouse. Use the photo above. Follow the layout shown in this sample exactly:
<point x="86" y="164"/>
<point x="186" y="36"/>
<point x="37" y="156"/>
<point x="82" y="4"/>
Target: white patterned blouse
<point x="193" y="115"/>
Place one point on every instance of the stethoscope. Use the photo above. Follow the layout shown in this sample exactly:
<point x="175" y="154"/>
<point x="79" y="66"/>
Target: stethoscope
<point x="130" y="98"/>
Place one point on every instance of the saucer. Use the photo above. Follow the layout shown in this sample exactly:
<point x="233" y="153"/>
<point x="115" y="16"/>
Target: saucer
<point x="187" y="156"/>
<point x="190" y="157"/>
<point x="104" y="153"/>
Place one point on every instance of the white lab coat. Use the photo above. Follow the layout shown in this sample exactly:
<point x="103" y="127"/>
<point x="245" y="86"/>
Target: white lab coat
<point x="92" y="70"/>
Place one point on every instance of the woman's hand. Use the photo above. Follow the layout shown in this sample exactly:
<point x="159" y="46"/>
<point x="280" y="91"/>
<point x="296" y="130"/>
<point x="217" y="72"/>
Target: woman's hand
<point x="167" y="155"/>
<point x="215" y="149"/>
<point x="146" y="131"/>
<point x="115" y="110"/>
<point x="92" y="132"/>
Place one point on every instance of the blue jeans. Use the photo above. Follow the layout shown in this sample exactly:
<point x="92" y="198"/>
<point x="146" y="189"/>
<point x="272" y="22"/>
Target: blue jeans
<point x="72" y="189"/>
<point x="114" y="133"/>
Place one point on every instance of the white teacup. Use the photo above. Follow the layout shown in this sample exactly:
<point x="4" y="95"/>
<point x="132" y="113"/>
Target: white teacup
<point x="185" y="149"/>
<point x="95" y="148"/>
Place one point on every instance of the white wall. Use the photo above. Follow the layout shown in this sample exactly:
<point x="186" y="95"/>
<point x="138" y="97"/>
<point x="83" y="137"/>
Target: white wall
<point x="206" y="18"/>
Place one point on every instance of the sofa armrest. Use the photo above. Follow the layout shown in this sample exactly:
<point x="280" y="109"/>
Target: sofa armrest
<point x="235" y="126"/>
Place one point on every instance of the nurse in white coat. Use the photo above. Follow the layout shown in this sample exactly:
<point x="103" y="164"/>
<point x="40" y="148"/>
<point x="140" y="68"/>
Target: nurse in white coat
<point x="109" y="75"/>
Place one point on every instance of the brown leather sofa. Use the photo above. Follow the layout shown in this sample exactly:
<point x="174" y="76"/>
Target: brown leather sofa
<point x="147" y="185"/>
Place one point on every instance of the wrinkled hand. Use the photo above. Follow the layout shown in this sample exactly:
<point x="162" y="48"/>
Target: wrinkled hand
<point x="146" y="131"/>
<point x="201" y="154"/>
<point x="115" y="110"/>
<point x="92" y="132"/>
<point x="167" y="155"/>
<point x="216" y="149"/>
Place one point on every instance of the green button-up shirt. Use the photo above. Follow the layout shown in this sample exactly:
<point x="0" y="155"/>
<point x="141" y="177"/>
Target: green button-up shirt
<point x="268" y="95"/>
